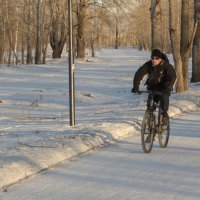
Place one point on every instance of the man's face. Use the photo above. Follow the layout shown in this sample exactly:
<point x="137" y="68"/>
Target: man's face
<point x="156" y="60"/>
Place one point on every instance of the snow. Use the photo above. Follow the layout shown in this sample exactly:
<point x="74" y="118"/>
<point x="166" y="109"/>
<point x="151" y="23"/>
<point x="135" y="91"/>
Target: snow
<point x="34" y="118"/>
<point x="123" y="172"/>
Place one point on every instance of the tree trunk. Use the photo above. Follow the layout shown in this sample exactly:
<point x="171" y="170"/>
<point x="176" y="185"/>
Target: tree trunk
<point x="116" y="33"/>
<point x="186" y="41"/>
<point x="58" y="29"/>
<point x="196" y="46"/>
<point x="29" y="58"/>
<point x="81" y="43"/>
<point x="8" y="33"/>
<point x="44" y="48"/>
<point x="185" y="52"/>
<point x="156" y="25"/>
<point x="175" y="43"/>
<point x="1" y="54"/>
<point x="1" y="43"/>
<point x="196" y="58"/>
<point x="22" y="48"/>
<point x="57" y="40"/>
<point x="38" y="35"/>
<point x="92" y="44"/>
<point x="16" y="44"/>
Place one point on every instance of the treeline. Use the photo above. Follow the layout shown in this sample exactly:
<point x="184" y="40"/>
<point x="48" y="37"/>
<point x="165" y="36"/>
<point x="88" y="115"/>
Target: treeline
<point x="27" y="27"/>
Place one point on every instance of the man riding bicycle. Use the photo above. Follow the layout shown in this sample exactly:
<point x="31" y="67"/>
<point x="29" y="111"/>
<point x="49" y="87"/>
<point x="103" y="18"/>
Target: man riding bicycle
<point x="161" y="77"/>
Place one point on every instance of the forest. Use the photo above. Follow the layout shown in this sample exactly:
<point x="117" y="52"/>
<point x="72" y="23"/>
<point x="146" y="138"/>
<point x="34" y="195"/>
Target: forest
<point x="29" y="27"/>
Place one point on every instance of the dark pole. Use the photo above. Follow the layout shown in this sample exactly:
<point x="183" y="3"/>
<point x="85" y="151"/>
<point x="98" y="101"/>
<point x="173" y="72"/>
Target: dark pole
<point x="71" y="67"/>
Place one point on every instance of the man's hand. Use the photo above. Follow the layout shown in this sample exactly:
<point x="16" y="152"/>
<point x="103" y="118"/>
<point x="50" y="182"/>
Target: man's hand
<point x="134" y="90"/>
<point x="167" y="90"/>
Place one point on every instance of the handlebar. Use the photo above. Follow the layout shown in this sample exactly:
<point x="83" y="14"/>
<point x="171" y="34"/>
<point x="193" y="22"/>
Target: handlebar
<point x="151" y="92"/>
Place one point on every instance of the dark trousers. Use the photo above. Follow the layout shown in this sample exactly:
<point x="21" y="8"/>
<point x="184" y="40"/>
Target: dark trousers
<point x="164" y="102"/>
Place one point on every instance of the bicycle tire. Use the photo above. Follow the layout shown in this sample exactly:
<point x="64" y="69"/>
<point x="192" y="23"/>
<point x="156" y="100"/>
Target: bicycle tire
<point x="163" y="137"/>
<point x="147" y="132"/>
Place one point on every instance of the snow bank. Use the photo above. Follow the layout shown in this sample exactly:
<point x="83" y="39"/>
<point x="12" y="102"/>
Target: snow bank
<point x="33" y="157"/>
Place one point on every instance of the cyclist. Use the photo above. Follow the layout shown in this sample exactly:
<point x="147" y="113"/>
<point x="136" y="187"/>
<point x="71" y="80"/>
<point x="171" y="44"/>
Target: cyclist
<point x="161" y="76"/>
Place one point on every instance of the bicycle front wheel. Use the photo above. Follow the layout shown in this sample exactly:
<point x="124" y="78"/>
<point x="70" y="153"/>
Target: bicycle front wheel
<point x="147" y="132"/>
<point x="164" y="135"/>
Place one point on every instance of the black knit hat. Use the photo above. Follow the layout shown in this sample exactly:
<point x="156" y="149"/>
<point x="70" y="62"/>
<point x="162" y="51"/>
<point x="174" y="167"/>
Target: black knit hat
<point x="156" y="53"/>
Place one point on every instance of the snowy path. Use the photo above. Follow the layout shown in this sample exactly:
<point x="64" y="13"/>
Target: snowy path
<point x="123" y="172"/>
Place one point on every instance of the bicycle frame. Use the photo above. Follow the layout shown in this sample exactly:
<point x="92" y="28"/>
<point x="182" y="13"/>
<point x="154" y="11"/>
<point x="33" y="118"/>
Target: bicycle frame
<point x="153" y="106"/>
<point x="152" y="124"/>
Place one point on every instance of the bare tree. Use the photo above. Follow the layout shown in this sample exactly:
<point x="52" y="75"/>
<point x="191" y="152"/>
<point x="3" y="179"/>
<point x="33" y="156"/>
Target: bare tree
<point x="141" y="24"/>
<point x="38" y="33"/>
<point x="181" y="50"/>
<point x="2" y="32"/>
<point x="175" y="42"/>
<point x="45" y="30"/>
<point x="11" y="28"/>
<point x="36" y="25"/>
<point x="58" y="27"/>
<point x="119" y="10"/>
<point x="185" y="49"/>
<point x="156" y="24"/>
<point x="186" y="41"/>
<point x="93" y="27"/>
<point x="81" y="13"/>
<point x="28" y="19"/>
<point x="196" y="45"/>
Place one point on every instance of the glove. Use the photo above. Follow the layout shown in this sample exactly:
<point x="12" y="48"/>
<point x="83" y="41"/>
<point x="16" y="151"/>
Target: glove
<point x="134" y="90"/>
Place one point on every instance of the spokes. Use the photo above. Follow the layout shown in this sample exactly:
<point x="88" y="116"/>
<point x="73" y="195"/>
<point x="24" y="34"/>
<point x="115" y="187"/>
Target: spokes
<point x="148" y="138"/>
<point x="164" y="135"/>
<point x="147" y="133"/>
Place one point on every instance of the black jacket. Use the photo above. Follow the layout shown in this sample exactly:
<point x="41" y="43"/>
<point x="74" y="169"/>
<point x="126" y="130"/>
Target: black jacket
<point x="159" y="78"/>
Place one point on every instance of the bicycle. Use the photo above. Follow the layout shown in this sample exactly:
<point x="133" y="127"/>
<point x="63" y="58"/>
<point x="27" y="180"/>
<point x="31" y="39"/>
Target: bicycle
<point x="152" y="124"/>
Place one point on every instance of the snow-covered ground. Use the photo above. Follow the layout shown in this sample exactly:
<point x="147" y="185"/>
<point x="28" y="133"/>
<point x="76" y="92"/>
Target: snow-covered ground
<point x="34" y="111"/>
<point x="123" y="172"/>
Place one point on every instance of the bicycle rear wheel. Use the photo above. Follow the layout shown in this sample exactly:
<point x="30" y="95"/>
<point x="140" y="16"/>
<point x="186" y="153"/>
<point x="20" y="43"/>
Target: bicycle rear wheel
<point x="147" y="132"/>
<point x="164" y="135"/>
